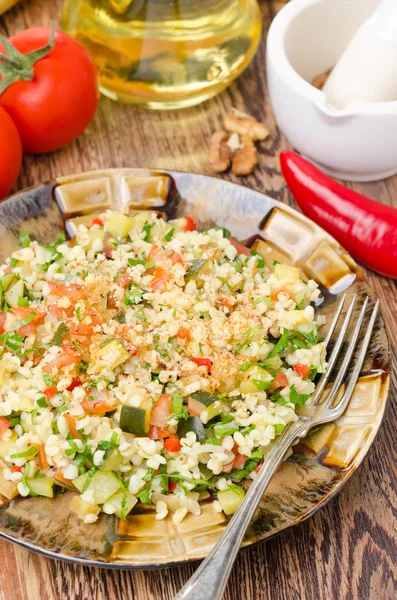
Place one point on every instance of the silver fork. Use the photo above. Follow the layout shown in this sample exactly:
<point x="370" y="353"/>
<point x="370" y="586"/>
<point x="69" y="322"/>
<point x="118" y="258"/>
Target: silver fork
<point x="210" y="579"/>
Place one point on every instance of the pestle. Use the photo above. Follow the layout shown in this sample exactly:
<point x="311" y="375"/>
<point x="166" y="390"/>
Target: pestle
<point x="367" y="70"/>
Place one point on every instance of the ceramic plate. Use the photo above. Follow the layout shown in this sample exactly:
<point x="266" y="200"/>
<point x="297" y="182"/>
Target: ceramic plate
<point x="319" y="466"/>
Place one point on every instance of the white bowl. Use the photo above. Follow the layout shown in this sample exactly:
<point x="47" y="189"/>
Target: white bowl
<point x="305" y="39"/>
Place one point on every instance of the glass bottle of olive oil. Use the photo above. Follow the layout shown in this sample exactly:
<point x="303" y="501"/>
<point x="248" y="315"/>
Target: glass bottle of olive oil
<point x="165" y="54"/>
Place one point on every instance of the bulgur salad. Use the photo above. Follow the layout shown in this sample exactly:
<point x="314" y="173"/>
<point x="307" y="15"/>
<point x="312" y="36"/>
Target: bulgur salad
<point x="146" y="362"/>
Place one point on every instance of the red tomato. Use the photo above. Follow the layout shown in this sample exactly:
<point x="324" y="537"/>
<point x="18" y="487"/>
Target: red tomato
<point x="160" y="278"/>
<point x="85" y="329"/>
<point x="172" y="486"/>
<point x="10" y="153"/>
<point x="190" y="225"/>
<point x="239" y="247"/>
<point x="124" y="280"/>
<point x="161" y="257"/>
<point x="4" y="426"/>
<point x="228" y="466"/>
<point x="75" y="383"/>
<point x="98" y="221"/>
<point x="71" y="290"/>
<point x="274" y="295"/>
<point x="61" y="480"/>
<point x="172" y="443"/>
<point x="302" y="370"/>
<point x="239" y="461"/>
<point x="3" y="317"/>
<point x="56" y="105"/>
<point x="280" y="381"/>
<point x="50" y="392"/>
<point x="156" y="433"/>
<point x="23" y="312"/>
<point x="16" y="469"/>
<point x="97" y="402"/>
<point x="202" y="362"/>
<point x="194" y="408"/>
<point x="258" y="468"/>
<point x="72" y="426"/>
<point x="60" y="312"/>
<point x="69" y="356"/>
<point x="161" y="411"/>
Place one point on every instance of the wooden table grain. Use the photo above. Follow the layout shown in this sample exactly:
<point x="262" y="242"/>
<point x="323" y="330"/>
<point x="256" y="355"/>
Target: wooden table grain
<point x="348" y="550"/>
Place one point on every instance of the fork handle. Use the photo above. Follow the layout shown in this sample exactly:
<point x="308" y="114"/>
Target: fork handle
<point x="210" y="579"/>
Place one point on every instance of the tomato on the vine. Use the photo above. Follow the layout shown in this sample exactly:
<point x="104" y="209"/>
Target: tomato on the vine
<point x="48" y="86"/>
<point x="10" y="153"/>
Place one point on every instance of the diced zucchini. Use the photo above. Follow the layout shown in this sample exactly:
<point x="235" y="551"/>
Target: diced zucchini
<point x="113" y="461"/>
<point x="123" y="502"/>
<point x="197" y="268"/>
<point x="256" y="379"/>
<point x="6" y="445"/>
<point x="16" y="291"/>
<point x="42" y="486"/>
<point x="210" y="402"/>
<point x="230" y="499"/>
<point x="6" y="281"/>
<point x="118" y="224"/>
<point x="103" y="485"/>
<point x="286" y="272"/>
<point x="110" y="355"/>
<point x="83" y="508"/>
<point x="273" y="363"/>
<point x="135" y="420"/>
<point x="191" y="424"/>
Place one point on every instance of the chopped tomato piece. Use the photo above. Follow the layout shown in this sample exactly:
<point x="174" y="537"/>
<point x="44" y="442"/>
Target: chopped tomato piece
<point x="75" y="383"/>
<point x="195" y="408"/>
<point x="302" y="370"/>
<point x="172" y="443"/>
<point x="3" y="317"/>
<point x="239" y="461"/>
<point x="112" y="301"/>
<point x="183" y="334"/>
<point x="202" y="362"/>
<point x="73" y="291"/>
<point x="4" y="426"/>
<point x="160" y="277"/>
<point x="16" y="469"/>
<point x="156" y="433"/>
<point x="171" y="486"/>
<point x="280" y="381"/>
<point x="72" y="426"/>
<point x="97" y="407"/>
<point x="162" y="409"/>
<point x="161" y="257"/>
<point x="124" y="280"/>
<point x="43" y="463"/>
<point x="228" y="466"/>
<point x="241" y="249"/>
<point x="69" y="356"/>
<point x="190" y="224"/>
<point x="85" y="329"/>
<point x="23" y="312"/>
<point x="258" y="468"/>
<point x="60" y="479"/>
<point x="98" y="221"/>
<point x="60" y="312"/>
<point x="50" y="392"/>
<point x="274" y="295"/>
<point x="72" y="242"/>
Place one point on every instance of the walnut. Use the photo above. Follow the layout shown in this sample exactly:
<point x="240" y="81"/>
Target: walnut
<point x="245" y="158"/>
<point x="319" y="81"/>
<point x="219" y="152"/>
<point x="243" y="124"/>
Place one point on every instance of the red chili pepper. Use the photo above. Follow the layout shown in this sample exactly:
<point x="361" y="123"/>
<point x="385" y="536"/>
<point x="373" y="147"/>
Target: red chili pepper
<point x="190" y="224"/>
<point x="50" y="392"/>
<point x="75" y="383"/>
<point x="172" y="443"/>
<point x="202" y="362"/>
<point x="367" y="229"/>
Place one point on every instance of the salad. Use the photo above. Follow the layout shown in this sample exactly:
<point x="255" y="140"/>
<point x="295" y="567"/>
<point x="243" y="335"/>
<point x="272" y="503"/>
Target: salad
<point x="143" y="361"/>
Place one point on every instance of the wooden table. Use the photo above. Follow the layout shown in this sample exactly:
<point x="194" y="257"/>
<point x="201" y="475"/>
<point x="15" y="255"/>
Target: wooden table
<point x="349" y="549"/>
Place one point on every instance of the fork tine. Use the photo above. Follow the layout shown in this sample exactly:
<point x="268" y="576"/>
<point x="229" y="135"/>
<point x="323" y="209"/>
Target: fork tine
<point x="335" y="320"/>
<point x="348" y="357"/>
<point x="342" y="404"/>
<point x="335" y="352"/>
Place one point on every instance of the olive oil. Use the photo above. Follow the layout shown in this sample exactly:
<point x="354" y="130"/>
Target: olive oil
<point x="165" y="54"/>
